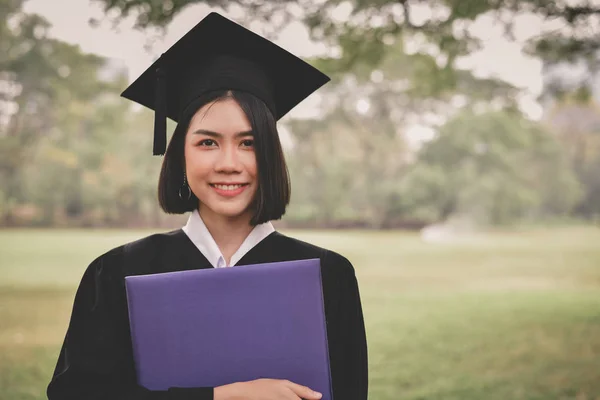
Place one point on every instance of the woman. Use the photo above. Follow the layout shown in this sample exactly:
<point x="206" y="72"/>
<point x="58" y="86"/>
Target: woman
<point x="226" y="87"/>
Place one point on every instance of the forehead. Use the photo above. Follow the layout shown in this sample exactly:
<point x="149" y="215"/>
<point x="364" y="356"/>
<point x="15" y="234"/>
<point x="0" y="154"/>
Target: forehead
<point x="223" y="116"/>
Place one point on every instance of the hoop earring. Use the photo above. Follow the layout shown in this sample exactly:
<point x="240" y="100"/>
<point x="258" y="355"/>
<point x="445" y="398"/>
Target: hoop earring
<point x="187" y="187"/>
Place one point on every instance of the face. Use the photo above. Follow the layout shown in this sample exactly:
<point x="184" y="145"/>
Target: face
<point x="220" y="162"/>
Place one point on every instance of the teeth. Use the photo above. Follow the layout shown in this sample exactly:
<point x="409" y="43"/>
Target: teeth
<point x="228" y="187"/>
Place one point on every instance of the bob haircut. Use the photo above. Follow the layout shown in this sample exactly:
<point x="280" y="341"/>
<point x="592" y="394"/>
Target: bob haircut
<point x="273" y="192"/>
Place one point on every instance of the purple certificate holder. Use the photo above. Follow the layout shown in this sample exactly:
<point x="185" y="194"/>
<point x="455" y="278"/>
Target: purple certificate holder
<point x="211" y="327"/>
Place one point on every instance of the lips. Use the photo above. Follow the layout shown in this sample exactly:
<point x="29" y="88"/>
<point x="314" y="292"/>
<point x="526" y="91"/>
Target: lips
<point x="229" y="189"/>
<point x="230" y="186"/>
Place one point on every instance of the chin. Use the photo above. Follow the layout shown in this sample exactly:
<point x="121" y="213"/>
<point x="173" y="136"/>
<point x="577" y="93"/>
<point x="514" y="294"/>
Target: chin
<point x="231" y="213"/>
<point x="234" y="215"/>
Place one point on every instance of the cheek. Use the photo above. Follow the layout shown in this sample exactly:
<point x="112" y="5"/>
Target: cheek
<point x="250" y="165"/>
<point x="197" y="167"/>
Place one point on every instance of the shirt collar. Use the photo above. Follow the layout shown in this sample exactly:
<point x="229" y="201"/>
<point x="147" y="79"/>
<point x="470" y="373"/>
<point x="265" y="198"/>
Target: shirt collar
<point x="198" y="233"/>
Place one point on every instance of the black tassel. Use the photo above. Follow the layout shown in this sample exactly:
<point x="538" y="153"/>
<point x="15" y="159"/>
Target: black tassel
<point x="160" y="113"/>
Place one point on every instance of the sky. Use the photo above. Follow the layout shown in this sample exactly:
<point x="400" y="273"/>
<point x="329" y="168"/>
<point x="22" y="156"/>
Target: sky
<point x="70" y="23"/>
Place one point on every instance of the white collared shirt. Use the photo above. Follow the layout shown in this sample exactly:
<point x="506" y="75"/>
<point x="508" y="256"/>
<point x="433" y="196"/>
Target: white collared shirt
<point x="198" y="233"/>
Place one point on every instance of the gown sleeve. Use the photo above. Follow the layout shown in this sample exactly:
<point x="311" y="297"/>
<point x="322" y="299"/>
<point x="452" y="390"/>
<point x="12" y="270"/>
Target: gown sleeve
<point x="96" y="358"/>
<point x="346" y="331"/>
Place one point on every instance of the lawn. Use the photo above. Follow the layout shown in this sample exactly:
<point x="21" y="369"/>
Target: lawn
<point x="503" y="315"/>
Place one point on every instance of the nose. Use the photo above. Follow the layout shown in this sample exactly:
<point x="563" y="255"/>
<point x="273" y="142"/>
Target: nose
<point x="228" y="160"/>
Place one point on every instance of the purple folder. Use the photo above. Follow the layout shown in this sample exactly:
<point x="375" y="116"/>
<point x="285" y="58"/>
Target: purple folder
<point x="211" y="327"/>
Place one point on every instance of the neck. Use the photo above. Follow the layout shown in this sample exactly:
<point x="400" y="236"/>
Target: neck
<point x="228" y="233"/>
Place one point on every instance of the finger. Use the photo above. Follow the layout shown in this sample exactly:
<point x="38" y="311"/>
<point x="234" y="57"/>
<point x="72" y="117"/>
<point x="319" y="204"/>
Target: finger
<point x="303" y="392"/>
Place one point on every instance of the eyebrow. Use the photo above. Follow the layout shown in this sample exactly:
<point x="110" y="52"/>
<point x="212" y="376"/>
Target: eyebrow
<point x="220" y="135"/>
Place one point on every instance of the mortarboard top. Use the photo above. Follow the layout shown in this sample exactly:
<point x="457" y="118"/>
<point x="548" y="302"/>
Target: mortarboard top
<point x="221" y="54"/>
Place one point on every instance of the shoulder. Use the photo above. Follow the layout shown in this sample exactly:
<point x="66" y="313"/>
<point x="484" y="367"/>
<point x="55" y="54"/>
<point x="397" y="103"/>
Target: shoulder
<point x="151" y="246"/>
<point x="136" y="253"/>
<point x="330" y="259"/>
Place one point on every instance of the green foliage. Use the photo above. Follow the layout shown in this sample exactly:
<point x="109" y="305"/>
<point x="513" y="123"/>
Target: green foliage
<point x="363" y="41"/>
<point x="344" y="168"/>
<point x="73" y="152"/>
<point x="575" y="120"/>
<point x="493" y="168"/>
<point x="55" y="88"/>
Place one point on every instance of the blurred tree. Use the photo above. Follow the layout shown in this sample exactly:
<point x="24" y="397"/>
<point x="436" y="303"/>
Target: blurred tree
<point x="575" y="119"/>
<point x="51" y="92"/>
<point x="493" y="168"/>
<point x="400" y="58"/>
<point x="344" y="168"/>
<point x="71" y="148"/>
<point x="347" y="167"/>
<point x="367" y="27"/>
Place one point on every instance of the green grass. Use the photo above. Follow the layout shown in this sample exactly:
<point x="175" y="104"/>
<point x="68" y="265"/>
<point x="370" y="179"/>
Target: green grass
<point x="504" y="315"/>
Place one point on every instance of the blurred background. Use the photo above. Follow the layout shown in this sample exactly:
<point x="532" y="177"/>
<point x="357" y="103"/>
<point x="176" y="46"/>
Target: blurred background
<point x="454" y="159"/>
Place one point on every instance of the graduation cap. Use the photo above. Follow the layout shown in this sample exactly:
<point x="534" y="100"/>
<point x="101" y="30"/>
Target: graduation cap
<point x="219" y="54"/>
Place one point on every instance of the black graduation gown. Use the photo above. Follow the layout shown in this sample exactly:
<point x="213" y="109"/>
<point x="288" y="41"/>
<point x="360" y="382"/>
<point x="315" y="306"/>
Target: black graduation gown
<point x="96" y="359"/>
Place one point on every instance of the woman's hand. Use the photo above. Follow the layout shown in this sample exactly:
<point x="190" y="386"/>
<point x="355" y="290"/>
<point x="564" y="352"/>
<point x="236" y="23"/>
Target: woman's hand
<point x="265" y="389"/>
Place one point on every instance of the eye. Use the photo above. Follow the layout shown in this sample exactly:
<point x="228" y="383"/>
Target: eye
<point x="248" y="143"/>
<point x="207" y="143"/>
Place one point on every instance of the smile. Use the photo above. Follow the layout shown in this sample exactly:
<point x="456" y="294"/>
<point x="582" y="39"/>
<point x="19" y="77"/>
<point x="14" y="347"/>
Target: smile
<point x="228" y="187"/>
<point x="227" y="190"/>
